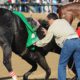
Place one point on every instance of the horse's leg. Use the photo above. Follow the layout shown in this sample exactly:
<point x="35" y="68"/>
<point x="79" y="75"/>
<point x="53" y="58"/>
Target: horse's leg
<point x="7" y="52"/>
<point x="34" y="67"/>
<point x="32" y="63"/>
<point x="7" y="56"/>
<point x="42" y="62"/>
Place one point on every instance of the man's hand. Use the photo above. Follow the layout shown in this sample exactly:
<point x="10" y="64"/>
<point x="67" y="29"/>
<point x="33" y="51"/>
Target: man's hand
<point x="44" y="30"/>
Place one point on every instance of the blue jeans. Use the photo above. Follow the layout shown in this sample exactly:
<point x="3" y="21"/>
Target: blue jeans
<point x="38" y="9"/>
<point x="70" y="47"/>
<point x="54" y="8"/>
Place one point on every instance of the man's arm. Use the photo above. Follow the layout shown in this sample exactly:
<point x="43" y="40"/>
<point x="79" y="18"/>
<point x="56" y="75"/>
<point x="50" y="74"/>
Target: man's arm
<point x="46" y="39"/>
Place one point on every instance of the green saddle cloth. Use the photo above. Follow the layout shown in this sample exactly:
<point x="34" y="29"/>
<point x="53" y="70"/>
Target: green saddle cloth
<point x="32" y="36"/>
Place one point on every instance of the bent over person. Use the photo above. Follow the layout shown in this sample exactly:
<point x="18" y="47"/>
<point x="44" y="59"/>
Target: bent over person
<point x="67" y="39"/>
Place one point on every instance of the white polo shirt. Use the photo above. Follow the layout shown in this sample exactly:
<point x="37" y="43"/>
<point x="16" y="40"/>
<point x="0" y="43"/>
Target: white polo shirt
<point x="61" y="30"/>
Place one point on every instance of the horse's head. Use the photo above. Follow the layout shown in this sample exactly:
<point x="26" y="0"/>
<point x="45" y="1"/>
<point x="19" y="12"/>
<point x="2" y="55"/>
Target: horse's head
<point x="34" y="23"/>
<point x="43" y="24"/>
<point x="42" y="28"/>
<point x="38" y="26"/>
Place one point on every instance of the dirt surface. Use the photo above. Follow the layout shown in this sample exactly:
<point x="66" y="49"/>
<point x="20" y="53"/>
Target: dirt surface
<point x="20" y="67"/>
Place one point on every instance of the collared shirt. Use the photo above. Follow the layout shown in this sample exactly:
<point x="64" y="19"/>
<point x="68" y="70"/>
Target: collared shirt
<point x="61" y="30"/>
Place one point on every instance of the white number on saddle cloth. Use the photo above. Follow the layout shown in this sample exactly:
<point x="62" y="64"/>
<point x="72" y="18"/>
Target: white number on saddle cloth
<point x="33" y="35"/>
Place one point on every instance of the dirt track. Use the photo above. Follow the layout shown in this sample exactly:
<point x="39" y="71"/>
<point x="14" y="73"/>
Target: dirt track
<point x="20" y="67"/>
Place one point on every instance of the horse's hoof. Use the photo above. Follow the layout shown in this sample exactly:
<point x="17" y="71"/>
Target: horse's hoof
<point x="74" y="78"/>
<point x="25" y="78"/>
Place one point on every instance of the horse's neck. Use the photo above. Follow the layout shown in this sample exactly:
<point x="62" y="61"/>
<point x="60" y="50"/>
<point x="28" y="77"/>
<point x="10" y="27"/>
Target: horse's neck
<point x="20" y="36"/>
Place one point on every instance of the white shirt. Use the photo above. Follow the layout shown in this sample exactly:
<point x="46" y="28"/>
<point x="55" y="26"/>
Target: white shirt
<point x="61" y="30"/>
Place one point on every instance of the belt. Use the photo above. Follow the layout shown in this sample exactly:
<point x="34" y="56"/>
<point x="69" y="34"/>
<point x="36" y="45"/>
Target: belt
<point x="73" y="38"/>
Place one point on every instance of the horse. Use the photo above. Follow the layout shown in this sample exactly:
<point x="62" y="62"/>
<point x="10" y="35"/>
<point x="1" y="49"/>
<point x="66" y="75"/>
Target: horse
<point x="13" y="37"/>
<point x="70" y="11"/>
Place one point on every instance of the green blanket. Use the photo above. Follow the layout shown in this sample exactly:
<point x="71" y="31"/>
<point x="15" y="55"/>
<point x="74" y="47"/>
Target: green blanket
<point x="32" y="36"/>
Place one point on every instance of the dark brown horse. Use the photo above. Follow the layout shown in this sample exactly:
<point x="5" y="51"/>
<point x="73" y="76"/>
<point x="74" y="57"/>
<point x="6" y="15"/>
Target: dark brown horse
<point x="13" y="36"/>
<point x="70" y="11"/>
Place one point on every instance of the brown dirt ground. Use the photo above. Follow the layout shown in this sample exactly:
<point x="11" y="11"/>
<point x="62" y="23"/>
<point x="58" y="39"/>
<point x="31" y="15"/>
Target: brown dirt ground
<point x="20" y="67"/>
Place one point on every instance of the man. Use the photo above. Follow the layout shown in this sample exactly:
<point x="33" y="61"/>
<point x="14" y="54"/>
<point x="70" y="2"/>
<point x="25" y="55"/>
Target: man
<point x="38" y="8"/>
<point x="23" y="8"/>
<point x="67" y="39"/>
<point x="55" y="5"/>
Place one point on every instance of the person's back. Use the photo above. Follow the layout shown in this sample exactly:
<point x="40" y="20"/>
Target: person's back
<point x="62" y="31"/>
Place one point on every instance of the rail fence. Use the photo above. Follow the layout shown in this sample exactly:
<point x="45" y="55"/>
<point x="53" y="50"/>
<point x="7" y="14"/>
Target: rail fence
<point x="17" y="6"/>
